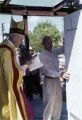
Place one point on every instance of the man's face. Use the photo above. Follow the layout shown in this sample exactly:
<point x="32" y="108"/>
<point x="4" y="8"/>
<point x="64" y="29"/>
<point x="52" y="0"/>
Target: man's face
<point x="20" y="39"/>
<point x="17" y="39"/>
<point x="48" y="44"/>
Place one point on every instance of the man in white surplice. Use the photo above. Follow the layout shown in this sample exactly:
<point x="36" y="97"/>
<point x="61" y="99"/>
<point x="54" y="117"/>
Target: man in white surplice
<point x="52" y="93"/>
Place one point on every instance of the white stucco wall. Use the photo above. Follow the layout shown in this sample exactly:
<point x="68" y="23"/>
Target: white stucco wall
<point x="73" y="56"/>
<point x="80" y="1"/>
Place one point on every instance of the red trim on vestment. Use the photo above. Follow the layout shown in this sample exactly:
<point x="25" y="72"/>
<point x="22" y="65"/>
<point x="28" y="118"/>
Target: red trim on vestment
<point x="16" y="76"/>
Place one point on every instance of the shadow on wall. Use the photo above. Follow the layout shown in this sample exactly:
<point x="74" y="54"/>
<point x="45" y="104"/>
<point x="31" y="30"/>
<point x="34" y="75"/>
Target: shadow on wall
<point x="70" y="29"/>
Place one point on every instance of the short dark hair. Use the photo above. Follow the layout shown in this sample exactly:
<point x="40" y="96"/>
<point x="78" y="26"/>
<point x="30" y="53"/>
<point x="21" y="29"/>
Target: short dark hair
<point x="45" y="38"/>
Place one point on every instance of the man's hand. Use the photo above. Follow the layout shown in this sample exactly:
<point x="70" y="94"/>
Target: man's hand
<point x="28" y="63"/>
<point x="24" y="68"/>
<point x="65" y="75"/>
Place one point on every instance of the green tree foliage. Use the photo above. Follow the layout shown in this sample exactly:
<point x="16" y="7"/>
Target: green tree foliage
<point x="42" y="29"/>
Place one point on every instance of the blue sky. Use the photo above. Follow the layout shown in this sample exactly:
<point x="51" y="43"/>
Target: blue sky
<point x="32" y="21"/>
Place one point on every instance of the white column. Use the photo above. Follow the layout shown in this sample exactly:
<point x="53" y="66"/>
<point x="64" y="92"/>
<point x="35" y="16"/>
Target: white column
<point x="73" y="55"/>
<point x="80" y="1"/>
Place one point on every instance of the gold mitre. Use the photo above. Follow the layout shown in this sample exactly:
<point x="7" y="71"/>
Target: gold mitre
<point x="17" y="27"/>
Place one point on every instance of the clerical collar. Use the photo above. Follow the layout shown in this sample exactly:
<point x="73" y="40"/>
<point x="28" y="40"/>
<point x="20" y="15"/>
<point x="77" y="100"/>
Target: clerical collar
<point x="10" y="42"/>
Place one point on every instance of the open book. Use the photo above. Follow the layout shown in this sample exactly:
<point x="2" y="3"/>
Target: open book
<point x="35" y="63"/>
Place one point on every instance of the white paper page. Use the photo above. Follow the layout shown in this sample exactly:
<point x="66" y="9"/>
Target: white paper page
<point x="36" y="63"/>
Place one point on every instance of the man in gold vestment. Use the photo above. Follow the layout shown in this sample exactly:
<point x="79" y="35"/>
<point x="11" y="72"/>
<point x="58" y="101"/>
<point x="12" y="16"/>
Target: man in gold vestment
<point x="12" y="106"/>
